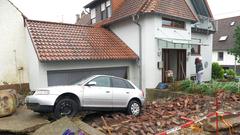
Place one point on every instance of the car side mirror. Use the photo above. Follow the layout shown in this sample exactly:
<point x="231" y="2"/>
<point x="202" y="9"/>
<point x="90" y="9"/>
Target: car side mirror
<point x="92" y="83"/>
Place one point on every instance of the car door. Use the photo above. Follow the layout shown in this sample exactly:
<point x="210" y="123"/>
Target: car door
<point x="121" y="92"/>
<point x="99" y="95"/>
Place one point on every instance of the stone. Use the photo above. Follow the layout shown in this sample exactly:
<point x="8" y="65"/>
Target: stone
<point x="22" y="121"/>
<point x="8" y="102"/>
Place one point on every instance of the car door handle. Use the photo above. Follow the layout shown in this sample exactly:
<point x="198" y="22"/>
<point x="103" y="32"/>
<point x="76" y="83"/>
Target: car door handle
<point x="107" y="91"/>
<point x="127" y="92"/>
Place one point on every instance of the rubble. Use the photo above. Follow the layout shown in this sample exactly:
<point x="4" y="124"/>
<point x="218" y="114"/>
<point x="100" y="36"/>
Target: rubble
<point x="23" y="121"/>
<point x="163" y="114"/>
<point x="8" y="102"/>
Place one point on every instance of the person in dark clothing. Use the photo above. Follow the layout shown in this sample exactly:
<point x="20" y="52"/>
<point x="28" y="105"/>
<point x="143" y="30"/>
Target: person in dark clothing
<point x="199" y="70"/>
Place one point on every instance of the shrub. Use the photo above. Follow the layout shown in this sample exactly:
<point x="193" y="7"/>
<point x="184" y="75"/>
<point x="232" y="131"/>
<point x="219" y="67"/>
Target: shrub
<point x="217" y="71"/>
<point x="208" y="88"/>
<point x="230" y="74"/>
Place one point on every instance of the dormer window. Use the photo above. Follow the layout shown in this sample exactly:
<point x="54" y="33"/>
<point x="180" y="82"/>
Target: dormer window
<point x="232" y="23"/>
<point x="223" y="38"/>
<point x="106" y="11"/>
<point x="93" y="15"/>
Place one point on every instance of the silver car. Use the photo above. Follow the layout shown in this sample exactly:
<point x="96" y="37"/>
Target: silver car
<point x="96" y="93"/>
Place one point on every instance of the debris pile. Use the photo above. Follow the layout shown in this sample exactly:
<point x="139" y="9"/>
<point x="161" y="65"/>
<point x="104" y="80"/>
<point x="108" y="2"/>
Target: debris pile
<point x="160" y="115"/>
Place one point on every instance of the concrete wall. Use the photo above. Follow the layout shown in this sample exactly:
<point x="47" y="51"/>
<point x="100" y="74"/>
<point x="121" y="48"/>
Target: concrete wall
<point x="12" y="45"/>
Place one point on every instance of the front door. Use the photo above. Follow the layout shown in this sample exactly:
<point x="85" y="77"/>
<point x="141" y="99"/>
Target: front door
<point x="99" y="95"/>
<point x="174" y="60"/>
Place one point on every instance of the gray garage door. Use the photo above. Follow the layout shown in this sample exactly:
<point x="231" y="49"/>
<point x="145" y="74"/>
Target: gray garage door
<point x="68" y="77"/>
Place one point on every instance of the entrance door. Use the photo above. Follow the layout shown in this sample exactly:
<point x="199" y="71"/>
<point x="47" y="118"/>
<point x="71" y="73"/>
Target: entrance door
<point x="175" y="60"/>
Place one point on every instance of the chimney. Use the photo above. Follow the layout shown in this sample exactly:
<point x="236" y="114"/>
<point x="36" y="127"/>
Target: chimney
<point x="82" y="14"/>
<point x="77" y="17"/>
<point x="116" y="4"/>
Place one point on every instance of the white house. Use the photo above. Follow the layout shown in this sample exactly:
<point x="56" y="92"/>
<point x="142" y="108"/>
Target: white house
<point x="165" y="34"/>
<point x="13" y="63"/>
<point x="135" y="39"/>
<point x="223" y="40"/>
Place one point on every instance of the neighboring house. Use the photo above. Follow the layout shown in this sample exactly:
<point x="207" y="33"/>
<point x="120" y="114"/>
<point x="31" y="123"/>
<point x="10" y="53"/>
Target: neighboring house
<point x="63" y="54"/>
<point x="165" y="34"/>
<point x="223" y="41"/>
<point x="13" y="63"/>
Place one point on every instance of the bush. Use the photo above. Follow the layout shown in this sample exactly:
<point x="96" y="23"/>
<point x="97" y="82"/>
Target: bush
<point x="217" y="71"/>
<point x="230" y="74"/>
<point x="208" y="88"/>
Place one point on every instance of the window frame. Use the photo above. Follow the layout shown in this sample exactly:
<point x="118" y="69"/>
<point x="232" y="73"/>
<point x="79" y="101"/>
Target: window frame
<point x="126" y="83"/>
<point x="173" y="23"/>
<point x="93" y="16"/>
<point x="106" y="12"/>
<point x="222" y="56"/>
<point x="198" y="52"/>
<point x="110" y="83"/>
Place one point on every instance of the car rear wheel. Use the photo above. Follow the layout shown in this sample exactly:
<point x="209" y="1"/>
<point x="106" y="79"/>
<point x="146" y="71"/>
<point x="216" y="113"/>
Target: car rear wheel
<point x="65" y="107"/>
<point x="134" y="108"/>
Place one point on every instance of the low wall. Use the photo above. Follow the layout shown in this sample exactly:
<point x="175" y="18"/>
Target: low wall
<point x="23" y="88"/>
<point x="154" y="94"/>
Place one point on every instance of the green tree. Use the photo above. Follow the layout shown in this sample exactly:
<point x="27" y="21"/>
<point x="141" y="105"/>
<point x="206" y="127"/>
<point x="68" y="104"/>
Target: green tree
<point x="236" y="49"/>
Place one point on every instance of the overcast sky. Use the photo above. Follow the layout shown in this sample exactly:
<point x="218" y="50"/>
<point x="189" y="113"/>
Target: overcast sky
<point x="66" y="10"/>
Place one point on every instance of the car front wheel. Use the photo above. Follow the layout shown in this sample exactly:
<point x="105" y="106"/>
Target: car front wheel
<point x="134" y="108"/>
<point x="65" y="107"/>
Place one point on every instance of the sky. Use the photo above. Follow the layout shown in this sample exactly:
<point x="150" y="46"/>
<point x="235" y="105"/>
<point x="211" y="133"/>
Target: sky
<point x="66" y="10"/>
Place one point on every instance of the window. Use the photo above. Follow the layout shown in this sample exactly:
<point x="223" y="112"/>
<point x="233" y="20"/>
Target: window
<point x="232" y="23"/>
<point x="102" y="81"/>
<point x="93" y="16"/>
<point x="196" y="50"/>
<point x="173" y="23"/>
<point x="119" y="83"/>
<point x="223" y="38"/>
<point x="106" y="10"/>
<point x="220" y="56"/>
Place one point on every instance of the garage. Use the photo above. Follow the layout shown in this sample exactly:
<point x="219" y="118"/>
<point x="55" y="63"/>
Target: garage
<point x="68" y="77"/>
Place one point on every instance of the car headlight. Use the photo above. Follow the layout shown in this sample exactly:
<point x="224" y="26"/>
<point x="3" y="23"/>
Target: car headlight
<point x="42" y="92"/>
<point x="31" y="92"/>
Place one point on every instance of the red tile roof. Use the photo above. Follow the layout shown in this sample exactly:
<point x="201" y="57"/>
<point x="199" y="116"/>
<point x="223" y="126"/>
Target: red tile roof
<point x="63" y="42"/>
<point x="174" y="8"/>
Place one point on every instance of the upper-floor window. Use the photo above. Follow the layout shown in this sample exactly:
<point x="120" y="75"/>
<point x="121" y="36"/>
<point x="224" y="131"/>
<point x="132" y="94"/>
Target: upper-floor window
<point x="173" y="23"/>
<point x="106" y="11"/>
<point x="93" y="15"/>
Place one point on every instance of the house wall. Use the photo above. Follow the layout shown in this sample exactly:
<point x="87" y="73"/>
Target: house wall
<point x="228" y="59"/>
<point x="152" y="31"/>
<point x="13" y="64"/>
<point x="206" y="54"/>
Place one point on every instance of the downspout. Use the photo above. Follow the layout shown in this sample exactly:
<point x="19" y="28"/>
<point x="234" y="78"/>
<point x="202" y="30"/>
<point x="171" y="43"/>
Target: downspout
<point x="135" y="19"/>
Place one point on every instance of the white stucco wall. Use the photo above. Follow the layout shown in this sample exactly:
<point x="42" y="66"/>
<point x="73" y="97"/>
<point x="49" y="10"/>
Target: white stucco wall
<point x="152" y="31"/>
<point x="206" y="54"/>
<point x="12" y="45"/>
<point x="228" y="59"/>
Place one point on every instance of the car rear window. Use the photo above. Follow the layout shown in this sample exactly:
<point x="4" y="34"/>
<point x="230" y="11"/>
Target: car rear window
<point x="119" y="83"/>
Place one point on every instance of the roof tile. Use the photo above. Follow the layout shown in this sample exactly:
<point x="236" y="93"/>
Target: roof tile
<point x="62" y="42"/>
